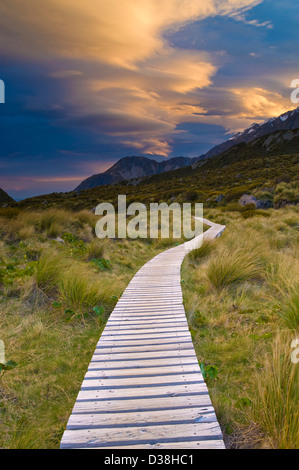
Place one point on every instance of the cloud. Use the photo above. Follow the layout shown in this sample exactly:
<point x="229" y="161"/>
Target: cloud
<point x="122" y="77"/>
<point x="118" y="31"/>
<point x="258" y="103"/>
<point x="237" y="108"/>
<point x="66" y="74"/>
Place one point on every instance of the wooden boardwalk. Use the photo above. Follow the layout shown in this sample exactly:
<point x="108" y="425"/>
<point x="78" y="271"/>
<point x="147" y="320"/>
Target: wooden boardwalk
<point x="144" y="388"/>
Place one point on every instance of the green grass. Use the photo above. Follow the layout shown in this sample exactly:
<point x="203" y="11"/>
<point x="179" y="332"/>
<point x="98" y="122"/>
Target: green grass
<point x="241" y="301"/>
<point x="276" y="405"/>
<point x="239" y="295"/>
<point x="55" y="300"/>
<point x="229" y="268"/>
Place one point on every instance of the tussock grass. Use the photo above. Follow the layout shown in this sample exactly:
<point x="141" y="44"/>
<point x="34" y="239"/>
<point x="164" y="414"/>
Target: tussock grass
<point x="276" y="406"/>
<point x="79" y="290"/>
<point x="244" y="326"/>
<point x="229" y="268"/>
<point x="95" y="249"/>
<point x="288" y="309"/>
<point x="26" y="233"/>
<point x="49" y="270"/>
<point x="202" y="252"/>
<point x="48" y="317"/>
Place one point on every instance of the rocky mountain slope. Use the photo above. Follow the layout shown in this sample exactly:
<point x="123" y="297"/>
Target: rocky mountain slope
<point x="266" y="168"/>
<point x="133" y="167"/>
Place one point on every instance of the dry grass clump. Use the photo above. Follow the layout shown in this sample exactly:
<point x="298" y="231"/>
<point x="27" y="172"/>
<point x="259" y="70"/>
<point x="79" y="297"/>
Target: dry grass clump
<point x="229" y="268"/>
<point x="50" y="269"/>
<point x="81" y="291"/>
<point x="50" y="223"/>
<point x="95" y="249"/>
<point x="244" y="327"/>
<point x="202" y="252"/>
<point x="276" y="406"/>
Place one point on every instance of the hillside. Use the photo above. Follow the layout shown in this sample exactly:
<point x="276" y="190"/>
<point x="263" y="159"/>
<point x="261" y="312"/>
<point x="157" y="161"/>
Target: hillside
<point x="5" y="198"/>
<point x="134" y="168"/>
<point x="261" y="166"/>
<point x="285" y="122"/>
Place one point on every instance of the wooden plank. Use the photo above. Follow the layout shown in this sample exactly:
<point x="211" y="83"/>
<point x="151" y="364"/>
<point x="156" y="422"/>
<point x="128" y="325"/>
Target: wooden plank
<point x="131" y="347"/>
<point x="133" y="436"/>
<point x="157" y="363"/>
<point x="143" y="387"/>
<point x="200" y="401"/>
<point x="214" y="444"/>
<point x="149" y="355"/>
<point x="143" y="342"/>
<point x="150" y="371"/>
<point x="145" y="336"/>
<point x="157" y="380"/>
<point x="133" y="418"/>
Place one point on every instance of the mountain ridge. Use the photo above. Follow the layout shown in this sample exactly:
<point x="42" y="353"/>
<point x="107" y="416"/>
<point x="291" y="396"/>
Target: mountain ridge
<point x="286" y="121"/>
<point x="133" y="167"/>
<point x="136" y="167"/>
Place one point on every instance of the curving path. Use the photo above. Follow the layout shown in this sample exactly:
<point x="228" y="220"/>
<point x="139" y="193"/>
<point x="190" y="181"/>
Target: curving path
<point x="144" y="388"/>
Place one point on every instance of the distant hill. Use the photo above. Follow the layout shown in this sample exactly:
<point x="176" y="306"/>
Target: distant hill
<point x="247" y="168"/>
<point x="5" y="198"/>
<point x="128" y="168"/>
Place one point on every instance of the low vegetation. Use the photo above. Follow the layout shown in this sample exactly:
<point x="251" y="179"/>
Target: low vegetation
<point x="241" y="300"/>
<point x="58" y="285"/>
<point x="271" y="175"/>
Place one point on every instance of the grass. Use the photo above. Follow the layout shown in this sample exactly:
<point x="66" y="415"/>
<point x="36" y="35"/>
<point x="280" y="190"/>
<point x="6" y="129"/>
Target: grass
<point x="276" y="405"/>
<point x="231" y="268"/>
<point x="241" y="301"/>
<point x="240" y="296"/>
<point x="56" y="297"/>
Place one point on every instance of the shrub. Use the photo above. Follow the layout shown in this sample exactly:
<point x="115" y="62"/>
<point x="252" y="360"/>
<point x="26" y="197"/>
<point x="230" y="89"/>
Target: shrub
<point x="190" y="196"/>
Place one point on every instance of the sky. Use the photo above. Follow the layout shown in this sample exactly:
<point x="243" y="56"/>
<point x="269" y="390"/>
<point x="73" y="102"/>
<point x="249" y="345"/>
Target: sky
<point x="87" y="83"/>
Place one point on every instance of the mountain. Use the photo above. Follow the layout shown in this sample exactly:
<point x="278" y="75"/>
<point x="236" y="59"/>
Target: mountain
<point x="133" y="167"/>
<point x="128" y="168"/>
<point x="269" y="164"/>
<point x="286" y="121"/>
<point x="5" y="198"/>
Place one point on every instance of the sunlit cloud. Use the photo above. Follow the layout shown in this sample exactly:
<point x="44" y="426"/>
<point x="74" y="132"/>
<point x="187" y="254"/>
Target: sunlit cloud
<point x="258" y="103"/>
<point x="119" y="31"/>
<point x="238" y="108"/>
<point x="66" y="74"/>
<point x="58" y="179"/>
<point x="123" y="78"/>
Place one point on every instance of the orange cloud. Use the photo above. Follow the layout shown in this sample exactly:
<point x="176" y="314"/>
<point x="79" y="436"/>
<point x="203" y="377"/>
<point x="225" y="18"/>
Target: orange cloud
<point x="127" y="80"/>
<point x="259" y="103"/>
